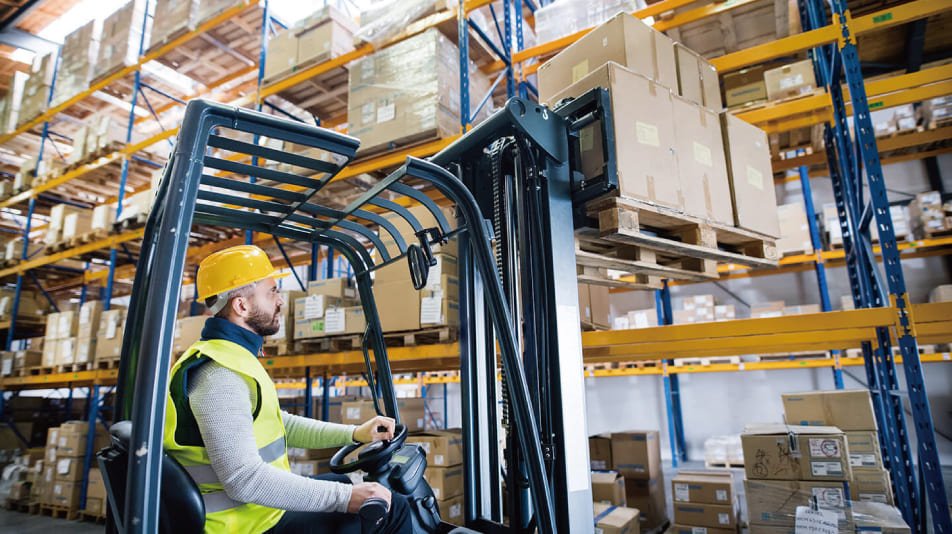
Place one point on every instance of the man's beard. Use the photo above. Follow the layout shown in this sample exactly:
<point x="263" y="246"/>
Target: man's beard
<point x="263" y="323"/>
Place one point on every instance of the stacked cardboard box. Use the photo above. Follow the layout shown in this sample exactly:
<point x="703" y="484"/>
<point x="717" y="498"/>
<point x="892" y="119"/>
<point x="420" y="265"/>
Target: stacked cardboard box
<point x="286" y="319"/>
<point x="335" y="408"/>
<point x="137" y="205"/>
<point x="78" y="56"/>
<point x="745" y="87"/>
<point x="851" y="411"/>
<point x="96" y="498"/>
<point x="333" y="295"/>
<point x="594" y="307"/>
<point x="636" y="456"/>
<point x="310" y="462"/>
<point x="61" y="481"/>
<point x="751" y="176"/>
<point x="937" y="111"/>
<point x="188" y="330"/>
<point x="941" y="293"/>
<point x="636" y="319"/>
<point x="208" y="9"/>
<point x="89" y="315"/>
<point x="831" y="222"/>
<point x="787" y="465"/>
<point x="325" y="34"/>
<point x="409" y="91"/>
<point x="112" y="324"/>
<point x="444" y="471"/>
<point x="705" y="500"/>
<point x="56" y="229"/>
<point x="559" y="19"/>
<point x="794" y="230"/>
<point x="929" y="215"/>
<point x="172" y="19"/>
<point x="36" y="90"/>
<point x="32" y="307"/>
<point x="611" y="519"/>
<point x="381" y="21"/>
<point x="60" y="343"/>
<point x="411" y="410"/>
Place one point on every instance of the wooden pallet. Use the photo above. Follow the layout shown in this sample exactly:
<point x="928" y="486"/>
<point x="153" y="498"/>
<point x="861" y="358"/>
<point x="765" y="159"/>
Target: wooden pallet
<point x="597" y="257"/>
<point x="39" y="370"/>
<point x="426" y="336"/>
<point x="132" y="223"/>
<point x="21" y="505"/>
<point x="92" y="517"/>
<point x="89" y="237"/>
<point x="684" y="246"/>
<point x="75" y="367"/>
<point x="712" y="360"/>
<point x="106" y="363"/>
<point x="59" y="246"/>
<point x="793" y="356"/>
<point x="327" y="344"/>
<point x="278" y="348"/>
<point x="59" y="512"/>
<point x="722" y="465"/>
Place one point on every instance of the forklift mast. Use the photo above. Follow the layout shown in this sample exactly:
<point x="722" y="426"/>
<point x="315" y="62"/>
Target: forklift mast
<point x="517" y="284"/>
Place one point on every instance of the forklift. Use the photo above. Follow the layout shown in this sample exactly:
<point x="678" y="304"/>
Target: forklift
<point x="517" y="189"/>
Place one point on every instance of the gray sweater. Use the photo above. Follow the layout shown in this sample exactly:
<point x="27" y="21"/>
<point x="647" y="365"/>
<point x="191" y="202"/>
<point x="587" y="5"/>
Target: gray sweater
<point x="222" y="401"/>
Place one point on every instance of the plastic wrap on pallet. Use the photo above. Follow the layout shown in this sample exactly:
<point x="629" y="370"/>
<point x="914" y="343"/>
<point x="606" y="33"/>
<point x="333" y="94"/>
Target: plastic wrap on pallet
<point x="483" y="17"/>
<point x="565" y="17"/>
<point x="410" y="91"/>
<point x="208" y="9"/>
<point x="137" y="204"/>
<point x="36" y="89"/>
<point x="878" y="517"/>
<point x="79" y="52"/>
<point x="385" y="19"/>
<point x="120" y="38"/>
<point x="172" y="19"/>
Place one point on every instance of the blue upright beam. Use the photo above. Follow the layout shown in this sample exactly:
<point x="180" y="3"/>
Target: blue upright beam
<point x="672" y="387"/>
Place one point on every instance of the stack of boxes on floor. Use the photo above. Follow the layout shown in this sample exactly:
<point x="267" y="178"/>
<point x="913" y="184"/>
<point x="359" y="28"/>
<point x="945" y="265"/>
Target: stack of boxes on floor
<point x="28" y="466"/>
<point x="704" y="502"/>
<point x="634" y="456"/>
<point x="668" y="123"/>
<point x="829" y="452"/>
<point x="444" y="469"/>
<point x="60" y="482"/>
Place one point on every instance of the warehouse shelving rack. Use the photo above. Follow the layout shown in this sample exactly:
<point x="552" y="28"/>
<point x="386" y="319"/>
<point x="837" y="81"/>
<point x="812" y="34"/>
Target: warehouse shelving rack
<point x="900" y="90"/>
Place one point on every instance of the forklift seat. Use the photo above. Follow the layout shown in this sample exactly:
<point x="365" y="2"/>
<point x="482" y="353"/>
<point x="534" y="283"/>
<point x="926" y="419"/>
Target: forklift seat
<point x="181" y="509"/>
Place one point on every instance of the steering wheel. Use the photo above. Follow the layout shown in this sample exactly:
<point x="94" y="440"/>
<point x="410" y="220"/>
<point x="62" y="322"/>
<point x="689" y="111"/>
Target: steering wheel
<point x="373" y="457"/>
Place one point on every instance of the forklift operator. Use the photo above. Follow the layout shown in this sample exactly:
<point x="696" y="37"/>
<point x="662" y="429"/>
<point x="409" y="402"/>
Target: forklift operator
<point x="225" y="426"/>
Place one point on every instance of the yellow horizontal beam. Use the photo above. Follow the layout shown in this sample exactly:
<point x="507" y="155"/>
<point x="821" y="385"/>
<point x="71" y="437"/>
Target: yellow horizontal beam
<point x="786" y="46"/>
<point x="710" y="10"/>
<point x="108" y="243"/>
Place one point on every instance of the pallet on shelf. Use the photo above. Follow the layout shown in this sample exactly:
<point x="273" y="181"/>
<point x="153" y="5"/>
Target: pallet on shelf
<point x="674" y="234"/>
<point x="132" y="223"/>
<point x="101" y="363"/>
<point x="706" y="361"/>
<point x="59" y="512"/>
<point x="75" y="367"/>
<point x="278" y="348"/>
<point x="424" y="336"/>
<point x="722" y="465"/>
<point x="88" y="237"/>
<point x="792" y="356"/>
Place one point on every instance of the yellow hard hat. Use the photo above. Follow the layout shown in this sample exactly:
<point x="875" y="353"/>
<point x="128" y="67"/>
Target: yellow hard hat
<point x="232" y="268"/>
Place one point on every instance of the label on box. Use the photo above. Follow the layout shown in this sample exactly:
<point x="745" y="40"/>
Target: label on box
<point x="84" y="315"/>
<point x="873" y="497"/>
<point x="456" y="510"/>
<point x="334" y="320"/>
<point x="641" y="320"/>
<point x="720" y="495"/>
<point x="64" y="325"/>
<point x="698" y="530"/>
<point x="425" y="445"/>
<point x="824" y="448"/>
<point x="598" y="465"/>
<point x="826" y="469"/>
<point x="579" y="70"/>
<point x="829" y="497"/>
<point x="682" y="492"/>
<point x="436" y="493"/>
<point x="723" y="519"/>
<point x="7" y="367"/>
<point x="863" y="460"/>
<point x="367" y="113"/>
<point x="67" y="350"/>
<point x="755" y="178"/>
<point x="431" y="309"/>
<point x="647" y="134"/>
<point x="353" y="412"/>
<point x="702" y="155"/>
<point x="111" y="328"/>
<point x="57" y="489"/>
<point x="815" y="521"/>
<point x="791" y="81"/>
<point x="367" y="67"/>
<point x="317" y="326"/>
<point x="62" y="466"/>
<point x="386" y="113"/>
<point x="314" y="307"/>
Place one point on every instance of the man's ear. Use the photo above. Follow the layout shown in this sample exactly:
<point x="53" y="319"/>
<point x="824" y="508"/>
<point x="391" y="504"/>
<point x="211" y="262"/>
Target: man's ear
<point x="239" y="307"/>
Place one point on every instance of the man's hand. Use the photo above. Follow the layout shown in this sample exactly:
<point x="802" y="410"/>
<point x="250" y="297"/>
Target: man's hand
<point x="364" y="491"/>
<point x="369" y="431"/>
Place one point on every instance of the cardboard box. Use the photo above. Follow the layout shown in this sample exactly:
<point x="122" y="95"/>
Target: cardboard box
<point x="794" y="230"/>
<point x="802" y="309"/>
<point x="697" y="79"/>
<point x="624" y="40"/>
<point x="19" y="491"/>
<point x="47" y="481"/>
<point x="941" y="293"/>
<point x="325" y="37"/>
<point x="348" y="320"/>
<point x="871" y="485"/>
<point x="608" y="487"/>
<point x="600" y="452"/>
<point x="702" y="168"/>
<point x="751" y="176"/>
<point x="647" y="496"/>
<point x="282" y="55"/>
<point x="338" y="288"/>
<point x="65" y="351"/>
<point x="790" y="80"/>
<point x="446" y="482"/>
<point x="643" y="318"/>
<point x="334" y="408"/>
<point x="309" y="468"/>
<point x="705" y="515"/>
<point x="745" y="86"/>
<point x="636" y="454"/>
<point x="686" y="529"/>
<point x="66" y="494"/>
<point x="865" y="452"/>
<point x="85" y="350"/>
<point x="767" y="309"/>
<point x="443" y="448"/>
<point x="69" y="470"/>
<point x="97" y="487"/>
<point x="89" y="314"/>
<point x="188" y="330"/>
<point x="594" y="305"/>
<point x="786" y="452"/>
<point x="438" y="309"/>
<point x="410" y="408"/>
<point x="616" y="519"/>
<point x="703" y="488"/>
<point x="308" y="328"/>
<point x="847" y="409"/>
<point x="451" y="510"/>
<point x="774" y="503"/>
<point x="642" y="115"/>
<point x="398" y="304"/>
<point x="50" y="352"/>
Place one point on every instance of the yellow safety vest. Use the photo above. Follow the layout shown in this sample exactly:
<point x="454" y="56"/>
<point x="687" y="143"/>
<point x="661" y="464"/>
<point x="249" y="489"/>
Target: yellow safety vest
<point x="183" y="441"/>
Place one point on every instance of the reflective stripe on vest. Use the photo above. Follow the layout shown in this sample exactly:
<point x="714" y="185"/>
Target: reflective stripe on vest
<point x="224" y="515"/>
<point x="204" y="474"/>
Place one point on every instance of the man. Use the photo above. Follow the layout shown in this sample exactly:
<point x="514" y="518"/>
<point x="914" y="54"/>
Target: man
<point x="224" y="424"/>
